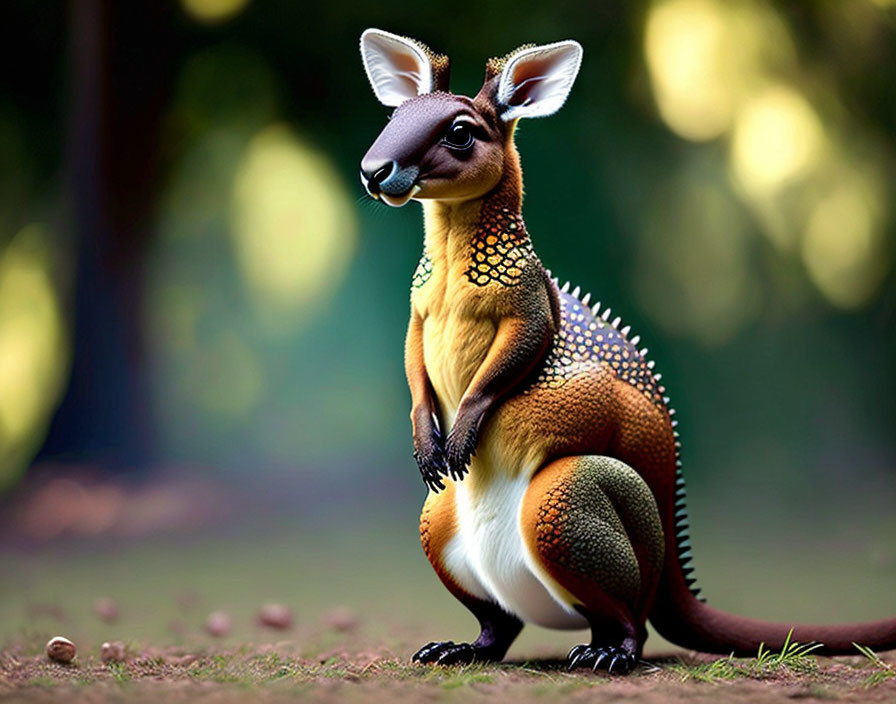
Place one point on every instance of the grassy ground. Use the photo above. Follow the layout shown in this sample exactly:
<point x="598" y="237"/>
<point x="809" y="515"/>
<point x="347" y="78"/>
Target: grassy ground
<point x="390" y="604"/>
<point x="288" y="671"/>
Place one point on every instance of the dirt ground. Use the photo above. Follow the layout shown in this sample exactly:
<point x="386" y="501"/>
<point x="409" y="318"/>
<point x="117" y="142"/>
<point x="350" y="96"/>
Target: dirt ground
<point x="281" y="672"/>
<point x="364" y="600"/>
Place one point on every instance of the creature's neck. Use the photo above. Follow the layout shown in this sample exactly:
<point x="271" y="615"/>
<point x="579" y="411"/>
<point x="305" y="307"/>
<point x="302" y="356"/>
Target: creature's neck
<point x="483" y="239"/>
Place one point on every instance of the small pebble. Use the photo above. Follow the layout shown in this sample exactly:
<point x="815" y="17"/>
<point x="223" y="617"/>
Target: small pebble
<point x="106" y="608"/>
<point x="341" y="619"/>
<point x="276" y="616"/>
<point x="61" y="649"/>
<point x="218" y="624"/>
<point x="113" y="651"/>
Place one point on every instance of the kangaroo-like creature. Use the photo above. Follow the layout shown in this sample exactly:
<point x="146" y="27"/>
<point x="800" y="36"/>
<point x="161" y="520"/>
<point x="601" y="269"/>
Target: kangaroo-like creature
<point x="556" y="493"/>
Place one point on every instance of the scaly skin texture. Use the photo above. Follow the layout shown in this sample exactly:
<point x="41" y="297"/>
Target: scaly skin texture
<point x="588" y="395"/>
<point x="595" y="527"/>
<point x="594" y="521"/>
<point x="556" y="491"/>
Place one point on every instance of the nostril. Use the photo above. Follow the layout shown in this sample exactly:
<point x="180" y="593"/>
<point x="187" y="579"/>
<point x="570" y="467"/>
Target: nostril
<point x="375" y="173"/>
<point x="383" y="173"/>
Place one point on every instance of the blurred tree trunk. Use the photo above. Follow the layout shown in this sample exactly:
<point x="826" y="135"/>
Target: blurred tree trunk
<point x="120" y="62"/>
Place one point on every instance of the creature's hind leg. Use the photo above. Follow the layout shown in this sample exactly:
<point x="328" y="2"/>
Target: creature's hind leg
<point x="593" y="529"/>
<point x="498" y="629"/>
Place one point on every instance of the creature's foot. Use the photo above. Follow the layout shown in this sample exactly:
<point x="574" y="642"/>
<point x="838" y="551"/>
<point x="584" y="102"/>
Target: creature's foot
<point x="613" y="659"/>
<point x="451" y="653"/>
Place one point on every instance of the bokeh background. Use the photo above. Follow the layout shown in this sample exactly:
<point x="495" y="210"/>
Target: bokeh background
<point x="202" y="317"/>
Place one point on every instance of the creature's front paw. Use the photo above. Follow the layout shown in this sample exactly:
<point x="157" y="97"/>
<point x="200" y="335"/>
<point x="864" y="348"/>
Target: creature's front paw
<point x="460" y="446"/>
<point x="613" y="659"/>
<point x="450" y="653"/>
<point x="431" y="462"/>
<point x="429" y="449"/>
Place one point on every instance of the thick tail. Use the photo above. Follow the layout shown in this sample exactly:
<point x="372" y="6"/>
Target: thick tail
<point x="682" y="618"/>
<point x="686" y="621"/>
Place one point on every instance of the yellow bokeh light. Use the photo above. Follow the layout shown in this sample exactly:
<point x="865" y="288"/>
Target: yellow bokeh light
<point x="683" y="44"/>
<point x="213" y="10"/>
<point x="33" y="353"/>
<point x="843" y="246"/>
<point x="703" y="57"/>
<point x="293" y="225"/>
<point x="777" y="138"/>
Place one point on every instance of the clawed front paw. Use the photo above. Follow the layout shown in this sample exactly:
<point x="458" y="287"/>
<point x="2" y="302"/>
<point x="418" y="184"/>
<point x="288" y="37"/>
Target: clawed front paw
<point x="613" y="659"/>
<point x="446" y="653"/>
<point x="459" y="449"/>
<point x="432" y="466"/>
<point x="430" y="456"/>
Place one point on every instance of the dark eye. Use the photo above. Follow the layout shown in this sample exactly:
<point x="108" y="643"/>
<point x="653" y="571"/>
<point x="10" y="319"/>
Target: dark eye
<point x="459" y="136"/>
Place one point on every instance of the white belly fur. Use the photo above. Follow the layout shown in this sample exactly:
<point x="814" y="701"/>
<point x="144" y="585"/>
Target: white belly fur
<point x="488" y="558"/>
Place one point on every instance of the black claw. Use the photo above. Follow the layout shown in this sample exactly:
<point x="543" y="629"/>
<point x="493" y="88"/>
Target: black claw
<point x="448" y="653"/>
<point x="460" y="447"/>
<point x="431" y="463"/>
<point x="613" y="658"/>
<point x="576" y="649"/>
<point x="462" y="654"/>
<point x="574" y="662"/>
<point x="421" y="655"/>
<point x="429" y="453"/>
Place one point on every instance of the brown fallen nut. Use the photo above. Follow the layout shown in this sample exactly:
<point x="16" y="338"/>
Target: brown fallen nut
<point x="276" y="616"/>
<point x="61" y="649"/>
<point x="218" y="624"/>
<point x="113" y="651"/>
<point x="341" y="619"/>
<point x="106" y="609"/>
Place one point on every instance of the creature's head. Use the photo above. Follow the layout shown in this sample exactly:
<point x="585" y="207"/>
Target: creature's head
<point x="450" y="147"/>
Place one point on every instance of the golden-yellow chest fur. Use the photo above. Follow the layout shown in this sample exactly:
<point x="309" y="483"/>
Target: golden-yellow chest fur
<point x="454" y="347"/>
<point x="459" y="318"/>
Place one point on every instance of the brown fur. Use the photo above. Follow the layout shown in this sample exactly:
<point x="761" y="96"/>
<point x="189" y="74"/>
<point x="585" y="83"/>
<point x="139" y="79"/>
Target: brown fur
<point x="526" y="377"/>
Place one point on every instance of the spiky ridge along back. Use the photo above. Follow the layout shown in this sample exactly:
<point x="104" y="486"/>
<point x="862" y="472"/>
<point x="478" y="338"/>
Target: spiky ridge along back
<point x="588" y="331"/>
<point x="682" y="530"/>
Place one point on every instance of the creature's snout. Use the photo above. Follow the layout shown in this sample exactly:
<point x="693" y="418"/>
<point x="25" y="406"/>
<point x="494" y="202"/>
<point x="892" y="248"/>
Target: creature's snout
<point x="391" y="167"/>
<point x="385" y="176"/>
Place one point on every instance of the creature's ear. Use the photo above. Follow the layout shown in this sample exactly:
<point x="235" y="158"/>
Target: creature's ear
<point x="535" y="81"/>
<point x="400" y="68"/>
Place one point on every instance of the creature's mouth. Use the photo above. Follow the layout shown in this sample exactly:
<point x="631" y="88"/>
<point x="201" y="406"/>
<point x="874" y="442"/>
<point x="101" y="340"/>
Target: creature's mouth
<point x="399" y="200"/>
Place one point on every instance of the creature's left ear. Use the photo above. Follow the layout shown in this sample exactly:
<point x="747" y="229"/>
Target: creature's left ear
<point x="536" y="80"/>
<point x="400" y="68"/>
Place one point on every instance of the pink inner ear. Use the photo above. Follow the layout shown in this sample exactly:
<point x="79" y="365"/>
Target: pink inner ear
<point x="528" y="77"/>
<point x="407" y="69"/>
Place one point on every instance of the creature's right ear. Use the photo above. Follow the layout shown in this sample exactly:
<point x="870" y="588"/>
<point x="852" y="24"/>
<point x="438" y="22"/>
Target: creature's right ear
<point x="535" y="80"/>
<point x="400" y="68"/>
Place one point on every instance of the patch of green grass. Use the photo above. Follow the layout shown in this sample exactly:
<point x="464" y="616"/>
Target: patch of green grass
<point x="465" y="677"/>
<point x="884" y="670"/>
<point x="217" y="669"/>
<point x="793" y="656"/>
<point x="722" y="669"/>
<point x="119" y="672"/>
